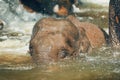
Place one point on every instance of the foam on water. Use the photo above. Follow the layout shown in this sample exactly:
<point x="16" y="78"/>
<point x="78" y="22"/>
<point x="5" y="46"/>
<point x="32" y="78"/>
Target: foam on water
<point x="19" y="43"/>
<point x="19" y="68"/>
<point x="100" y="2"/>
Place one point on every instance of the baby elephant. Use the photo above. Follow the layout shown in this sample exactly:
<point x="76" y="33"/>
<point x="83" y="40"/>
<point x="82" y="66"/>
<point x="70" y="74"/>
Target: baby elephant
<point x="56" y="39"/>
<point x="53" y="39"/>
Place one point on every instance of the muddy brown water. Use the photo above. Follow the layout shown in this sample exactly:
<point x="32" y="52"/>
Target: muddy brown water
<point x="103" y="64"/>
<point x="16" y="63"/>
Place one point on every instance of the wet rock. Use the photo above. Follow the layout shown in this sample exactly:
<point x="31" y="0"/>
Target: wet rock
<point x="15" y="34"/>
<point x="2" y="38"/>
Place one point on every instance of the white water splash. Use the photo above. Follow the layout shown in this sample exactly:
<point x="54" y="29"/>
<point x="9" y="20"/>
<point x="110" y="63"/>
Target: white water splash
<point x="20" y="68"/>
<point x="100" y="2"/>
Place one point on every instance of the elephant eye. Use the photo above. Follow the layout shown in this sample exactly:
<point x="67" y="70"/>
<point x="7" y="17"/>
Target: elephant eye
<point x="31" y="49"/>
<point x="63" y="53"/>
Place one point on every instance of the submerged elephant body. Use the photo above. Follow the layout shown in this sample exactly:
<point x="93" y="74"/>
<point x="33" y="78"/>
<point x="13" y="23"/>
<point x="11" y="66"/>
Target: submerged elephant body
<point x="55" y="39"/>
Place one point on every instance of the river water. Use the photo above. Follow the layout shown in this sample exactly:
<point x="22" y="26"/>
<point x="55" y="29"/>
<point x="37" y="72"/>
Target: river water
<point x="16" y="63"/>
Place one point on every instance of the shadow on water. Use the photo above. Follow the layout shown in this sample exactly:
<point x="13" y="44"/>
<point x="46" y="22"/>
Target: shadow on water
<point x="16" y="64"/>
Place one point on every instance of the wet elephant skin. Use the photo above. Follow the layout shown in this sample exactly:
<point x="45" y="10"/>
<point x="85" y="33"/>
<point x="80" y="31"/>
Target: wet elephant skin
<point x="53" y="39"/>
<point x="56" y="39"/>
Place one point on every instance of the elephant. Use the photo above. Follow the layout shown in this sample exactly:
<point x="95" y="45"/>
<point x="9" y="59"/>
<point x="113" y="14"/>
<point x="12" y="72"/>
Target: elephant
<point x="57" y="39"/>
